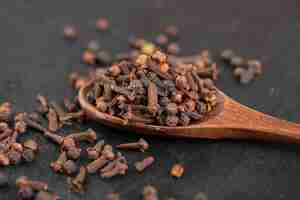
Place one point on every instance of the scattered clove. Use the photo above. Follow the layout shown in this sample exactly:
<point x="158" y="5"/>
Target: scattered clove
<point x="150" y="193"/>
<point x="97" y="164"/>
<point x="89" y="135"/>
<point x="53" y="124"/>
<point x="57" y="166"/>
<point x="141" y="144"/>
<point x="70" y="32"/>
<point x="142" y="165"/>
<point x="43" y="106"/>
<point x="95" y="151"/>
<point x="69" y="167"/>
<point x="23" y="181"/>
<point x="25" y="193"/>
<point x="177" y="171"/>
<point x="28" y="155"/>
<point x="118" y="169"/>
<point x="77" y="184"/>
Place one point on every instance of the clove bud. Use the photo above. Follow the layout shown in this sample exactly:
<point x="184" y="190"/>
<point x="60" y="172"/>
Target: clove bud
<point x="77" y="184"/>
<point x="23" y="181"/>
<point x="95" y="151"/>
<point x="57" y="166"/>
<point x="142" y="165"/>
<point x="89" y="135"/>
<point x="119" y="169"/>
<point x="141" y="144"/>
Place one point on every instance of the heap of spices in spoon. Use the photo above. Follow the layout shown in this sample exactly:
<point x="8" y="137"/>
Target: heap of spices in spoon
<point x="151" y="89"/>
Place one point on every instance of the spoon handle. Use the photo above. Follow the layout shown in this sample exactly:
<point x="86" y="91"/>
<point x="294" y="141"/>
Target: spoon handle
<point x="242" y="122"/>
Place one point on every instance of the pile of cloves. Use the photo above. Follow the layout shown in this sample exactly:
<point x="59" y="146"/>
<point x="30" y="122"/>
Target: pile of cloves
<point x="152" y="90"/>
<point x="12" y="151"/>
<point x="31" y="189"/>
<point x="245" y="70"/>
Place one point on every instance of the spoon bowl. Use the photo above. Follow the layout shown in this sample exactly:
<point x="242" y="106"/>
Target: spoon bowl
<point x="228" y="120"/>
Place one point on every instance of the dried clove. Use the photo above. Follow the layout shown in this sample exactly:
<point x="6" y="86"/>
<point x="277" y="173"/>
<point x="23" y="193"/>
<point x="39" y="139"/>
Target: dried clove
<point x="112" y="164"/>
<point x="4" y="160"/>
<point x="172" y="31"/>
<point x="69" y="167"/>
<point x="142" y="165"/>
<point x="177" y="171"/>
<point x="173" y="48"/>
<point x="43" y="106"/>
<point x="6" y="108"/>
<point x="31" y="144"/>
<point x="73" y="153"/>
<point x="150" y="193"/>
<point x="14" y="157"/>
<point x="28" y="155"/>
<point x="53" y="124"/>
<point x="89" y="57"/>
<point x="95" y="151"/>
<point x="57" y="166"/>
<point x="89" y="135"/>
<point x="119" y="169"/>
<point x="25" y="193"/>
<point x="141" y="144"/>
<point x="152" y="98"/>
<point x="97" y="164"/>
<point x="77" y="184"/>
<point x="24" y="181"/>
<point x="227" y="55"/>
<point x="102" y="24"/>
<point x="69" y="105"/>
<point x="108" y="152"/>
<point x="70" y="32"/>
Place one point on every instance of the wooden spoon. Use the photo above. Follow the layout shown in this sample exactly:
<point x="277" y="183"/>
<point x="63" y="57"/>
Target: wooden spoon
<point x="230" y="120"/>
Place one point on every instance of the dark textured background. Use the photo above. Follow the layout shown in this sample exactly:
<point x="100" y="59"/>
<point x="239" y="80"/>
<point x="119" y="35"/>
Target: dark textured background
<point x="34" y="58"/>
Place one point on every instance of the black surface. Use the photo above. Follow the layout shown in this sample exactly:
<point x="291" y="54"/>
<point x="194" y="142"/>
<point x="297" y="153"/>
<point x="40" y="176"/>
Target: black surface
<point x="34" y="58"/>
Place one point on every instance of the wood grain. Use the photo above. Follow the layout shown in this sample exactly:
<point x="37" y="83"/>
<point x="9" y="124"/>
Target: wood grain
<point x="231" y="120"/>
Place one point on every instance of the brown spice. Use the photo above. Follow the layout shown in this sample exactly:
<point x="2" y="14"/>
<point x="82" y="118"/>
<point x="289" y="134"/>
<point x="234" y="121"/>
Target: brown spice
<point x="53" y="124"/>
<point x="77" y="184"/>
<point x="152" y="98"/>
<point x="119" y="169"/>
<point x="173" y="48"/>
<point x="70" y="32"/>
<point x="97" y="164"/>
<point x="177" y="171"/>
<point x="102" y="24"/>
<point x="24" y="181"/>
<point x="141" y="144"/>
<point x="89" y="58"/>
<point x="43" y="106"/>
<point x="95" y="151"/>
<point x="89" y="135"/>
<point x="150" y="193"/>
<point x="69" y="167"/>
<point x="162" y="40"/>
<point x="57" y="166"/>
<point x="142" y="165"/>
